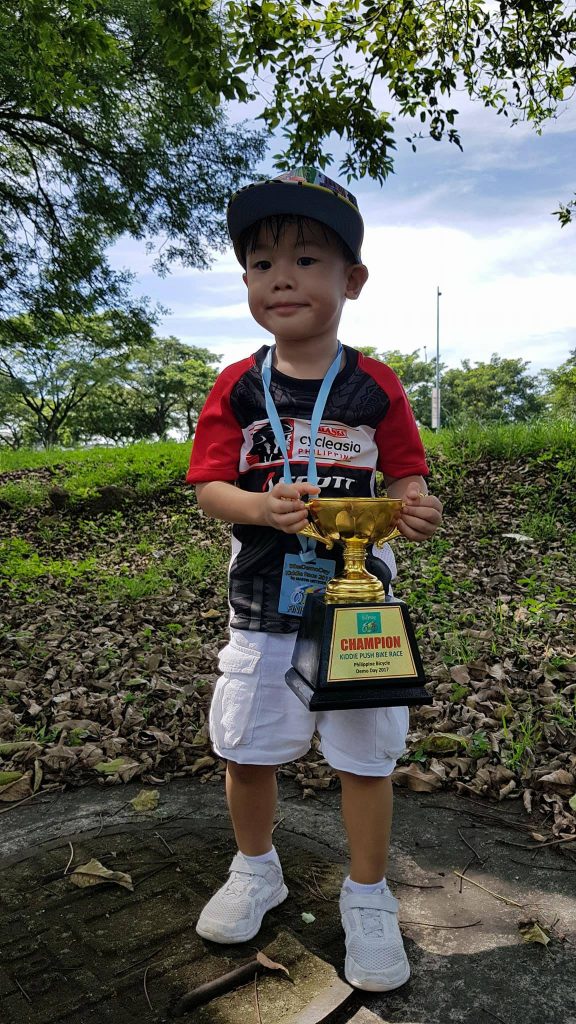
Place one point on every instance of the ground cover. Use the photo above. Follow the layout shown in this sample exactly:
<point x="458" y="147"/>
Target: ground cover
<point x="112" y="611"/>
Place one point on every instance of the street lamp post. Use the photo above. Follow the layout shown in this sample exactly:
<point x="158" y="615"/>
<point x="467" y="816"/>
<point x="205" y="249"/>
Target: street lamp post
<point x="436" y="390"/>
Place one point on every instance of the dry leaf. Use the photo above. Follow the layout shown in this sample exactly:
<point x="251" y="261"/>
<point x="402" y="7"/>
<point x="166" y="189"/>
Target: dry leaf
<point x="560" y="780"/>
<point x="416" y="779"/>
<point x="271" y="964"/>
<point x="443" y="743"/>
<point x="94" y="873"/>
<point x="532" y="932"/>
<point x="16" y="787"/>
<point x="460" y="674"/>
<point x="146" y="800"/>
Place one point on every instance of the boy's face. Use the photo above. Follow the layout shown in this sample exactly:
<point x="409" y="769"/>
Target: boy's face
<point x="298" y="283"/>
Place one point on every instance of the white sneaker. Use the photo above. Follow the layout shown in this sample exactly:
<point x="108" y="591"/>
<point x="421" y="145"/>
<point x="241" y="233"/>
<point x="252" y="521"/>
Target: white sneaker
<point x="235" y="912"/>
<point x="375" y="957"/>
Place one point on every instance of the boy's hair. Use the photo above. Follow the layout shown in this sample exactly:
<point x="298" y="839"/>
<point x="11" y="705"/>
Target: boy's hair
<point x="276" y="226"/>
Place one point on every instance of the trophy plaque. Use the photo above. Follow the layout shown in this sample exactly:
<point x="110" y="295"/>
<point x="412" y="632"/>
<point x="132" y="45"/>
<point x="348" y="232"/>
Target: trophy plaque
<point x="356" y="647"/>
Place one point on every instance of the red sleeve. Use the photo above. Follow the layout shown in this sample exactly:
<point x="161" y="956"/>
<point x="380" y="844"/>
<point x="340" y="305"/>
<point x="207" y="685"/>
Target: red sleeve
<point x="218" y="438"/>
<point x="400" y="448"/>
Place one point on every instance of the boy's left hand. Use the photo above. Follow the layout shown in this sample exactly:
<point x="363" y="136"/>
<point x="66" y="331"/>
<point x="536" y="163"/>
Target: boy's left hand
<point x="422" y="514"/>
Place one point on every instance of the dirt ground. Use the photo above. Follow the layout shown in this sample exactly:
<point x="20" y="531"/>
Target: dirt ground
<point x="106" y="953"/>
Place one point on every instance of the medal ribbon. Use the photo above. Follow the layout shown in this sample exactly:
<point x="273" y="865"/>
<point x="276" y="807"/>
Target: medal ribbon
<point x="307" y="544"/>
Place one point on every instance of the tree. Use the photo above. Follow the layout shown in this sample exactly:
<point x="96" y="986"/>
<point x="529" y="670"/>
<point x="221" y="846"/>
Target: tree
<point x="164" y="388"/>
<point x="501" y="390"/>
<point x="100" y="135"/>
<point x="50" y="367"/>
<point x="417" y="377"/>
<point x="562" y="384"/>
<point x="358" y="68"/>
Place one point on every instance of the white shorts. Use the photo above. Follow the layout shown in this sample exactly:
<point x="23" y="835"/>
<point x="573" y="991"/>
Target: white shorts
<point x="255" y="718"/>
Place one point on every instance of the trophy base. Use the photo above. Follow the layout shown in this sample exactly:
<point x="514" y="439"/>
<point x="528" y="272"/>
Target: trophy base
<point x="367" y="697"/>
<point x="351" y="655"/>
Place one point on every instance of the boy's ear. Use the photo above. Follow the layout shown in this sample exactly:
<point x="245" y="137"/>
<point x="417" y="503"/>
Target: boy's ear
<point x="245" y="278"/>
<point x="356" y="279"/>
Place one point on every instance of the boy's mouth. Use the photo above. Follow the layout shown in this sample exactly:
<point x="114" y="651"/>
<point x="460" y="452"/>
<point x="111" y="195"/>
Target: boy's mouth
<point x="286" y="306"/>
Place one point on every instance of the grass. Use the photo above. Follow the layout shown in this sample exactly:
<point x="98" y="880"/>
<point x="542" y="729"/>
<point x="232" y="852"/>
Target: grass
<point x="144" y="467"/>
<point x="541" y="440"/>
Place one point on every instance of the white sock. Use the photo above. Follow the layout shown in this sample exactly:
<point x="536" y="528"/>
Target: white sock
<point x="263" y="858"/>
<point x="360" y="887"/>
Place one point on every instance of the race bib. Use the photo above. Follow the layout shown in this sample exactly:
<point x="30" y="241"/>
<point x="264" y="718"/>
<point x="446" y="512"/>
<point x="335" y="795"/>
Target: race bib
<point x="302" y="578"/>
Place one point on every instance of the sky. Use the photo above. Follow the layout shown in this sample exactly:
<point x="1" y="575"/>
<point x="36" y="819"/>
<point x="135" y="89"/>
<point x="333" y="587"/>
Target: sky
<point x="478" y="225"/>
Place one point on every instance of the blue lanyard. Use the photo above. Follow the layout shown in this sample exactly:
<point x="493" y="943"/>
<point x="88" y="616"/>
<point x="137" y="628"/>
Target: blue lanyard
<point x="308" y="546"/>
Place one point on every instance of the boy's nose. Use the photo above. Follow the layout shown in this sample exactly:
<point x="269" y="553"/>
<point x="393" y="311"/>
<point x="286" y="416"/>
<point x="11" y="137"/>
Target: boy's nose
<point x="283" y="278"/>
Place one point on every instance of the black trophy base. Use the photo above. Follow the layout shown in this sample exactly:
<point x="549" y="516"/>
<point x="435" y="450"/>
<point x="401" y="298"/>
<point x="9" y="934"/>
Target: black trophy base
<point x="335" y="667"/>
<point x="365" y="697"/>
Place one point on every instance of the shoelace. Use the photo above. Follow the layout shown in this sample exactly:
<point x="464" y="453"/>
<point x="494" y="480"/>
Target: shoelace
<point x="371" y="921"/>
<point x="238" y="883"/>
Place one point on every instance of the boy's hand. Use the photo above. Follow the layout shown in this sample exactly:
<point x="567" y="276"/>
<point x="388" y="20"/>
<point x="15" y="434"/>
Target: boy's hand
<point x="421" y="516"/>
<point x="284" y="508"/>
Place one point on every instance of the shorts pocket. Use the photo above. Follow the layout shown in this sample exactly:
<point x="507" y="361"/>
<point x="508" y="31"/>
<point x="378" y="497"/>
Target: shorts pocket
<point x="391" y="730"/>
<point x="236" y="699"/>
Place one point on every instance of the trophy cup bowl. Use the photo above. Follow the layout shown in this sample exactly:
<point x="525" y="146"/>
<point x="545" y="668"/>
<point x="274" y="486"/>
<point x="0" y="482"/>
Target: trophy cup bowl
<point x="355" y="523"/>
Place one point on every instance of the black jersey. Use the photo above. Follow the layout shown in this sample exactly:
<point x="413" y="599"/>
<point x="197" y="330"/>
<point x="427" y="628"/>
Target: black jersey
<point x="367" y="425"/>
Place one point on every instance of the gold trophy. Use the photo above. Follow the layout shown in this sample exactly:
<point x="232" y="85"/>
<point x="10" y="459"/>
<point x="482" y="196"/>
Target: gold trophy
<point x="355" y="647"/>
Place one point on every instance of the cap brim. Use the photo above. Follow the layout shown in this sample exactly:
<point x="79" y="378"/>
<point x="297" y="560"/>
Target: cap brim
<point x="275" y="198"/>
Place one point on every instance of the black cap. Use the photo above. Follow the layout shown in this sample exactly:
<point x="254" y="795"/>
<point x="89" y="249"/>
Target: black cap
<point x="304" y="192"/>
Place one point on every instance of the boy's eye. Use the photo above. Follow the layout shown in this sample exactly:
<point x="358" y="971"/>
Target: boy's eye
<point x="262" y="265"/>
<point x="306" y="261"/>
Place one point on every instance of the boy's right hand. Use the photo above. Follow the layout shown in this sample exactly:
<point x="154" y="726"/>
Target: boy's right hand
<point x="284" y="508"/>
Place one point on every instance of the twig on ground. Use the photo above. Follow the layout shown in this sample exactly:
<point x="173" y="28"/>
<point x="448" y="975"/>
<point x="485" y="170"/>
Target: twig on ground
<point x="412" y="885"/>
<point x="464" y="870"/>
<point x="471" y="848"/>
<point x="279" y="822"/>
<point x="422" y="924"/>
<point x="145" y="988"/>
<point x="71" y="857"/>
<point x="130" y="967"/>
<point x="169" y="848"/>
<point x="40" y="792"/>
<point x="118" y="809"/>
<point x="539" y="846"/>
<point x="539" y="867"/>
<point x="495" y="1015"/>
<point x="23" y="990"/>
<point x="256" y="1001"/>
<point x="511" y="903"/>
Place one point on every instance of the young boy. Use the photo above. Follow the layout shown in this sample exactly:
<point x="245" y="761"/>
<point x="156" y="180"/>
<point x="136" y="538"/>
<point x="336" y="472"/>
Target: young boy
<point x="298" y="238"/>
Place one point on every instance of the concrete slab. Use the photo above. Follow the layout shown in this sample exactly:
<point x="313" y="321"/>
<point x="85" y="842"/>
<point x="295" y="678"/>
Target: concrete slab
<point x="101" y="955"/>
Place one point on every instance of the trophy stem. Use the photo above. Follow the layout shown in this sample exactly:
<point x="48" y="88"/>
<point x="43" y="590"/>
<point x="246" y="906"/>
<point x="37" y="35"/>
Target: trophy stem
<point x="356" y="583"/>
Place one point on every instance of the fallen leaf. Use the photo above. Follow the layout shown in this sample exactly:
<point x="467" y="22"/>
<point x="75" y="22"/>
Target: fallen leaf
<point x="271" y="964"/>
<point x="94" y="873"/>
<point x="443" y="743"/>
<point x="532" y="932"/>
<point x="15" y="787"/>
<point x="416" y="779"/>
<point x="460" y="674"/>
<point x="146" y="800"/>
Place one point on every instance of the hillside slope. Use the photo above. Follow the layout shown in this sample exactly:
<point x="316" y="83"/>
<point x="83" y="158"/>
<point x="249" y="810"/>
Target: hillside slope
<point x="112" y="610"/>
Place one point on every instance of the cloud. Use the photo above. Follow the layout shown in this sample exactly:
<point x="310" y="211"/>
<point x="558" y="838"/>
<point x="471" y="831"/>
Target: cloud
<point x="508" y="292"/>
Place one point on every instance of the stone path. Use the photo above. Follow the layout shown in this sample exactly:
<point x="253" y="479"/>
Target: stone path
<point x="106" y="955"/>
